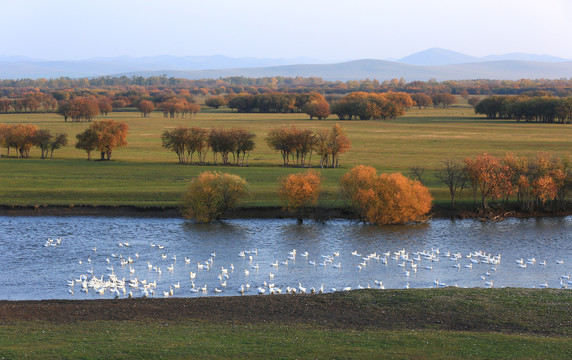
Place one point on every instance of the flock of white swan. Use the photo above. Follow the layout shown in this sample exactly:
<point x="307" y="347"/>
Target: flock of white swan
<point x="125" y="273"/>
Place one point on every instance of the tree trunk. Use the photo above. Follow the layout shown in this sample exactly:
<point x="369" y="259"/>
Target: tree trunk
<point x="103" y="155"/>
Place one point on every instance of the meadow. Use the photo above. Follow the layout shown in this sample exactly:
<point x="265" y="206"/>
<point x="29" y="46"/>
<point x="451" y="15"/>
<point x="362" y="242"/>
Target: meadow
<point x="145" y="174"/>
<point x="367" y="324"/>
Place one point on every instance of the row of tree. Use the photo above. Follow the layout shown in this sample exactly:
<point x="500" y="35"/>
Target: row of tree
<point x="170" y="108"/>
<point x="22" y="137"/>
<point x="16" y="89"/>
<point x="185" y="142"/>
<point x="86" y="108"/>
<point x="103" y="136"/>
<point x="368" y="106"/>
<point x="532" y="109"/>
<point x="535" y="182"/>
<point x="297" y="145"/>
<point x="379" y="199"/>
<point x="272" y="102"/>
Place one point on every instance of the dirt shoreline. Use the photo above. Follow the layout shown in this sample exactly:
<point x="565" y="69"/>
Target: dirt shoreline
<point x="389" y="310"/>
<point x="263" y="212"/>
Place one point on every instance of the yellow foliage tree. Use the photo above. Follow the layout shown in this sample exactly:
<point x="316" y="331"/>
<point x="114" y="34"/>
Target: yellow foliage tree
<point x="211" y="194"/>
<point x="385" y="199"/>
<point x="300" y="191"/>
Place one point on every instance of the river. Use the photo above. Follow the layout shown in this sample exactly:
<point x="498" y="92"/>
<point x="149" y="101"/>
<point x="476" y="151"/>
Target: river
<point x="91" y="257"/>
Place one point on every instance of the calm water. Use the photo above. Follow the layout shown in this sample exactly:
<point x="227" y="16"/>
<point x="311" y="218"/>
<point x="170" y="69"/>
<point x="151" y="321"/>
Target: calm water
<point x="29" y="270"/>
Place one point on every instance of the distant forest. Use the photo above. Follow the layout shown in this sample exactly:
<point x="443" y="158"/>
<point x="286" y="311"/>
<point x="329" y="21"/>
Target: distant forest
<point x="83" y="99"/>
<point x="239" y="84"/>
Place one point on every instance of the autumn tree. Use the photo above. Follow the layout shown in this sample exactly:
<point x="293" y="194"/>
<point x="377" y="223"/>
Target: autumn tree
<point x="330" y="145"/>
<point x="211" y="194"/>
<point x="118" y="104"/>
<point x="87" y="140"/>
<point x="105" y="136"/>
<point x="172" y="107"/>
<point x="490" y="175"/>
<point x="403" y="100"/>
<point x="192" y="109"/>
<point x="279" y="139"/>
<point x="421" y="100"/>
<point x="176" y="140"/>
<point x="5" y="105"/>
<point x="222" y="141"/>
<point x="443" y="100"/>
<point x="58" y="141"/>
<point x="43" y="138"/>
<point x="104" y="105"/>
<point x="314" y="105"/>
<point x="473" y="100"/>
<point x="21" y="137"/>
<point x="385" y="199"/>
<point x="454" y="176"/>
<point x="79" y="109"/>
<point x="358" y="179"/>
<point x="300" y="191"/>
<point x="197" y="142"/>
<point x="339" y="144"/>
<point x="215" y="102"/>
<point x="146" y="107"/>
<point x="244" y="144"/>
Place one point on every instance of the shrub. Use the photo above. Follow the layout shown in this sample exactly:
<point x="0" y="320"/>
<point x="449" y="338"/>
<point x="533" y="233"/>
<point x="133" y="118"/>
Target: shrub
<point x="300" y="191"/>
<point x="385" y="199"/>
<point x="211" y="194"/>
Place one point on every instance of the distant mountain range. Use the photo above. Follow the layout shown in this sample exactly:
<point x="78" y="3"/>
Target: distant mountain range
<point x="439" y="64"/>
<point x="437" y="56"/>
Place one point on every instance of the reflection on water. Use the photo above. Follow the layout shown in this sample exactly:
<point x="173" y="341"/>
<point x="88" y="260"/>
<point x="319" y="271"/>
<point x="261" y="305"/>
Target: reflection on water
<point x="95" y="247"/>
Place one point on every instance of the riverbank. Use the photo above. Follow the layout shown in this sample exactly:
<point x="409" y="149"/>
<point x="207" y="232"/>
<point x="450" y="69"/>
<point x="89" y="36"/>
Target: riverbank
<point x="445" y="323"/>
<point x="544" y="311"/>
<point x="262" y="212"/>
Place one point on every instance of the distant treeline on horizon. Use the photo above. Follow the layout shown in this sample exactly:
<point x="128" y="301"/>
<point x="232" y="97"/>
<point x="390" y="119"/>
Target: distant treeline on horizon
<point x="238" y="84"/>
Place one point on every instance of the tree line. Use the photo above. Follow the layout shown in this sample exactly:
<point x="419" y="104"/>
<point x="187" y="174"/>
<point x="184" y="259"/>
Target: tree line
<point x="545" y="109"/>
<point x="22" y="137"/>
<point x="239" y="84"/>
<point x="103" y="136"/>
<point x="543" y="180"/>
<point x="297" y="145"/>
<point x="272" y="102"/>
<point x="379" y="199"/>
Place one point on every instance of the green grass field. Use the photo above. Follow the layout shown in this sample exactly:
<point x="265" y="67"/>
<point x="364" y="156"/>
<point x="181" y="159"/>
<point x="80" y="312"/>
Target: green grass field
<point x="409" y="324"/>
<point x="144" y="174"/>
<point x="160" y="340"/>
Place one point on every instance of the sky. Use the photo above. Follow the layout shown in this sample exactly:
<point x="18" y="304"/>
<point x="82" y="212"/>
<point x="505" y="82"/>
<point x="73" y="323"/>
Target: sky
<point x="327" y="30"/>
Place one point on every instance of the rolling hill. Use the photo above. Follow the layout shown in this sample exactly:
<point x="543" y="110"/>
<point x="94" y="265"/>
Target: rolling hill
<point x="438" y="64"/>
<point x="385" y="70"/>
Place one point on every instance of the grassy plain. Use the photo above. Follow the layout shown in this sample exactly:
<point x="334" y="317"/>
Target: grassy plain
<point x="144" y="174"/>
<point x="367" y="324"/>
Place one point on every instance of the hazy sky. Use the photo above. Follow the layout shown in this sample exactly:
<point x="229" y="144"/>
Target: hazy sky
<point x="329" y="30"/>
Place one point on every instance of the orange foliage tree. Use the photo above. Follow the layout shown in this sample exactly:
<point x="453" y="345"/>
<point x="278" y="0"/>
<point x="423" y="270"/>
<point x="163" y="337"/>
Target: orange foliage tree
<point x="210" y="194"/>
<point x="105" y="136"/>
<point x="21" y="137"/>
<point x="385" y="199"/>
<point x="490" y="175"/>
<point x="146" y="107"/>
<point x="300" y="191"/>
